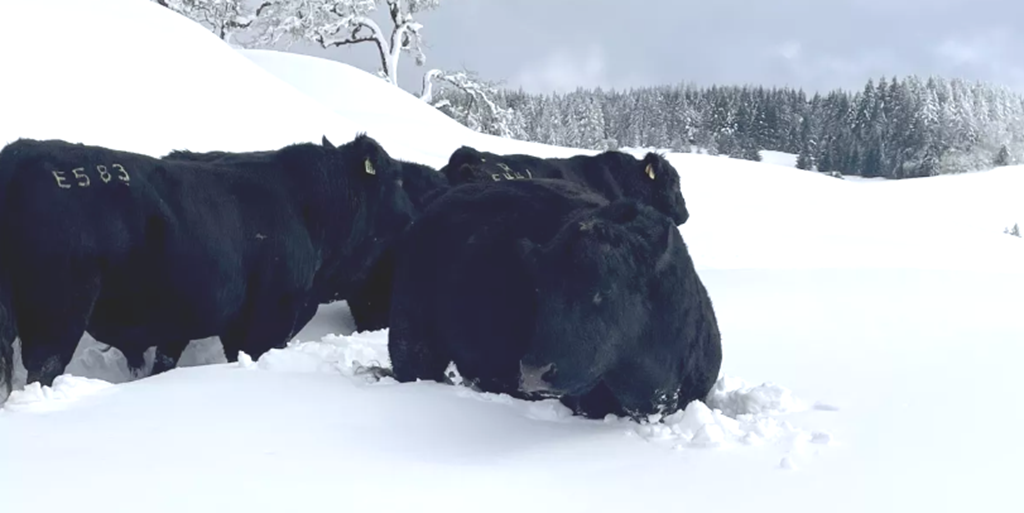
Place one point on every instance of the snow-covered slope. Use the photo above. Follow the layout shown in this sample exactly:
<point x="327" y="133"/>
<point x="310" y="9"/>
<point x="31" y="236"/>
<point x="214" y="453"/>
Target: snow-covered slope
<point x="352" y="92"/>
<point x="779" y="158"/>
<point x="746" y="214"/>
<point x="871" y="330"/>
<point x="155" y="95"/>
<point x="358" y="97"/>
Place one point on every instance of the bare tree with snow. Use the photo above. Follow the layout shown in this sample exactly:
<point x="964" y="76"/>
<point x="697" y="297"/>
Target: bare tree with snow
<point x="479" y="107"/>
<point x="224" y="17"/>
<point x="333" y="23"/>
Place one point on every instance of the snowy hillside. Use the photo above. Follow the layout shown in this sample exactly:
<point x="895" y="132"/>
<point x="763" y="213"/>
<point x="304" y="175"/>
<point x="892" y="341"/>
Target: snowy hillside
<point x="356" y="95"/>
<point x="779" y="158"/>
<point x="871" y="330"/>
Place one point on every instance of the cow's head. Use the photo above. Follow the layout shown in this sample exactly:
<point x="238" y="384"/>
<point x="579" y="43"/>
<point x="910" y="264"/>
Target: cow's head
<point x="422" y="183"/>
<point x="654" y="181"/>
<point x="592" y="283"/>
<point x="373" y="195"/>
<point x="463" y="166"/>
<point x="467" y="173"/>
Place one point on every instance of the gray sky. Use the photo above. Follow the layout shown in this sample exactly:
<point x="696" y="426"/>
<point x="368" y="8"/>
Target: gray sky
<point x="558" y="45"/>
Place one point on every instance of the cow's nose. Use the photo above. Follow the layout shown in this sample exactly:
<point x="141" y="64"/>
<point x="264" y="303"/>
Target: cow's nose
<point x="533" y="379"/>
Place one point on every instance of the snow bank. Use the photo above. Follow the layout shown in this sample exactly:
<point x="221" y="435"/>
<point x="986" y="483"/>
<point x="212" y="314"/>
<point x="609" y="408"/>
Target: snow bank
<point x="132" y="81"/>
<point x="347" y="356"/>
<point x="340" y="87"/>
<point x="778" y="158"/>
<point x="366" y="99"/>
<point x="66" y="389"/>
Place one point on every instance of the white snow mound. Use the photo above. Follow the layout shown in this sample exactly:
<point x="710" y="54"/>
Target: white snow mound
<point x="66" y="389"/>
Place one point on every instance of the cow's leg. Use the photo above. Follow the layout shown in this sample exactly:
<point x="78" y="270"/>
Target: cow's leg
<point x="53" y="310"/>
<point x="266" y="324"/>
<point x="306" y="314"/>
<point x="370" y="302"/>
<point x="167" y="355"/>
<point x="415" y="350"/>
<point x="135" y="358"/>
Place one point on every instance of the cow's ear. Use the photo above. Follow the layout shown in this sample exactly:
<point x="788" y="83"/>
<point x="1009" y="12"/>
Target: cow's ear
<point x="652" y="164"/>
<point x="463" y="174"/>
<point x="327" y="144"/>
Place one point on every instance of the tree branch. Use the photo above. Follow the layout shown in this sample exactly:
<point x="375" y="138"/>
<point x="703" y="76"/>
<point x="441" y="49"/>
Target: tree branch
<point x="342" y="42"/>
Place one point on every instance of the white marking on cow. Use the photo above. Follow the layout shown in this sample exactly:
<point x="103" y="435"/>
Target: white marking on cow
<point x="79" y="173"/>
<point x="104" y="174"/>
<point x="61" y="181"/>
<point x="123" y="176"/>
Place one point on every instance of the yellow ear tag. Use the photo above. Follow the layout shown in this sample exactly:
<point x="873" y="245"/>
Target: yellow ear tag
<point x="650" y="171"/>
<point x="369" y="168"/>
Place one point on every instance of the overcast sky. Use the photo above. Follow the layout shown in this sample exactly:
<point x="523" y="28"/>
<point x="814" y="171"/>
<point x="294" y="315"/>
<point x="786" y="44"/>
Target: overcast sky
<point x="558" y="45"/>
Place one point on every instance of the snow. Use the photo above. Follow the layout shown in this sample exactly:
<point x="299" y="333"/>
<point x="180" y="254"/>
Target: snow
<point x="778" y="158"/>
<point x="871" y="330"/>
<point x="855" y="178"/>
<point x="356" y="96"/>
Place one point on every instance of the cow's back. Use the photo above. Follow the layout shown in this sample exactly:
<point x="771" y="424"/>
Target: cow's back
<point x="172" y="241"/>
<point x="106" y="201"/>
<point x="469" y="165"/>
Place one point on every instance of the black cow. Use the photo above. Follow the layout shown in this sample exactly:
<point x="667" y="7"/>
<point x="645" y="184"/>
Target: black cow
<point x="369" y="293"/>
<point x="467" y="291"/>
<point x="624" y="324"/>
<point x="418" y="180"/>
<point x="613" y="174"/>
<point x="421" y="182"/>
<point x="139" y="251"/>
<point x="370" y="300"/>
<point x="214" y="156"/>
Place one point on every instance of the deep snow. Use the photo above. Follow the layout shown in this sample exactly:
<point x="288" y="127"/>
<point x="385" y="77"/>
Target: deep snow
<point x="871" y="330"/>
<point x="778" y="158"/>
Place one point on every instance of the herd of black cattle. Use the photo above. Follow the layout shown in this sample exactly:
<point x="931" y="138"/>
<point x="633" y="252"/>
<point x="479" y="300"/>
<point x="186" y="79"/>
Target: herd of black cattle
<point x="537" y="277"/>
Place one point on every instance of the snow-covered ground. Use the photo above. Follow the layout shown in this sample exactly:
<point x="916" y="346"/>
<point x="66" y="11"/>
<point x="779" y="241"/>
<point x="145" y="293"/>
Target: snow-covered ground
<point x="778" y="158"/>
<point x="872" y="331"/>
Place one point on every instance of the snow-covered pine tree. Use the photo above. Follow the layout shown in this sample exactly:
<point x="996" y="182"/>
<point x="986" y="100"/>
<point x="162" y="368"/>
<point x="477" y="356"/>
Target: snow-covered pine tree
<point x="656" y="133"/>
<point x="803" y="160"/>
<point x="893" y="128"/>
<point x="590" y="122"/>
<point x="1003" y="157"/>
